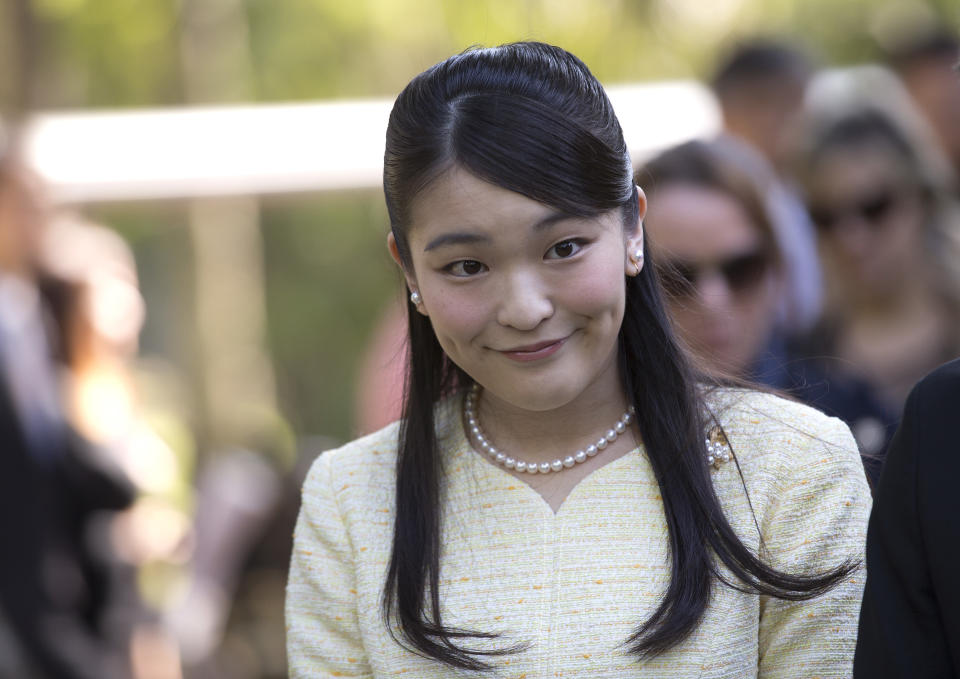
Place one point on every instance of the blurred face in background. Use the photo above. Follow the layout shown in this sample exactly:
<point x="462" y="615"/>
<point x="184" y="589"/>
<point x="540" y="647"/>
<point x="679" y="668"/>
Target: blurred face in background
<point x="933" y="83"/>
<point x="718" y="270"/>
<point x="869" y="214"/>
<point x="766" y="115"/>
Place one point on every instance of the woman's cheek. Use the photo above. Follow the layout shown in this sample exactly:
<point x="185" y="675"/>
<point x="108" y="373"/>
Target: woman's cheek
<point x="597" y="291"/>
<point x="460" y="316"/>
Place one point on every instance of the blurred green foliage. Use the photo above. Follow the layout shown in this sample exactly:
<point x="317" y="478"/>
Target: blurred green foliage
<point x="327" y="271"/>
<point x="109" y="53"/>
<point x="328" y="275"/>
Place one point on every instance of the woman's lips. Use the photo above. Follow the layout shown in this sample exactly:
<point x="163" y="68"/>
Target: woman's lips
<point x="535" y="352"/>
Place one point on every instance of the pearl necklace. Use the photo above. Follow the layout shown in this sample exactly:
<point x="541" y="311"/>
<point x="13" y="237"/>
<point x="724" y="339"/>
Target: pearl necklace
<point x="501" y="458"/>
<point x="718" y="448"/>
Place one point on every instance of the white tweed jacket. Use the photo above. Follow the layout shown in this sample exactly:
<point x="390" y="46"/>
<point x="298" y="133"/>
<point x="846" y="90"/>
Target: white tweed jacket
<point x="575" y="584"/>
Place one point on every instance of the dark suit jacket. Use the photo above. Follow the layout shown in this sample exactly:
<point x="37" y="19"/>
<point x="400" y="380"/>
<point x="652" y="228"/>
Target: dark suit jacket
<point x="910" y="621"/>
<point x="52" y="591"/>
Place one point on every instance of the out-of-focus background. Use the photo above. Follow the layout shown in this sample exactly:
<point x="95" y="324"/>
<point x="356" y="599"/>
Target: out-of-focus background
<point x="193" y="188"/>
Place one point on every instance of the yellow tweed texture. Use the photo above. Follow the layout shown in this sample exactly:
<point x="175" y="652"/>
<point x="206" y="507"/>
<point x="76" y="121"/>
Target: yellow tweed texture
<point x="573" y="585"/>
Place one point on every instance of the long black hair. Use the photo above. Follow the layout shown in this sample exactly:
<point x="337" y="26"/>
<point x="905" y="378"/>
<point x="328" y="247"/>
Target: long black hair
<point x="531" y="118"/>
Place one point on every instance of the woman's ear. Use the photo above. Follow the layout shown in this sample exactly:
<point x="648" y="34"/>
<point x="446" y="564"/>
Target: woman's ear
<point x="394" y="250"/>
<point x="641" y="205"/>
<point x="415" y="297"/>
<point x="633" y="262"/>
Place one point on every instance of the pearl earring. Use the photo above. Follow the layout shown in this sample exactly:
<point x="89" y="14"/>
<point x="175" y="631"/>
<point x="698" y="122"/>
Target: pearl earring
<point x="415" y="298"/>
<point x="637" y="259"/>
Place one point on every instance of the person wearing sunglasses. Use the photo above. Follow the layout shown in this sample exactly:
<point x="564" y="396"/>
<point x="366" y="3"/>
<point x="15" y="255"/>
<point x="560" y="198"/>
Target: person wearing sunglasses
<point x="723" y="268"/>
<point x="721" y="265"/>
<point x="888" y="235"/>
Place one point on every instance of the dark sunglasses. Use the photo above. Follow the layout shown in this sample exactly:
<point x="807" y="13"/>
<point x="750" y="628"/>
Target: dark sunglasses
<point x="871" y="208"/>
<point x="741" y="273"/>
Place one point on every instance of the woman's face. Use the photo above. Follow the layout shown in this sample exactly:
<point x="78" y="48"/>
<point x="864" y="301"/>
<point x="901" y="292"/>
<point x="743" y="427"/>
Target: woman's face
<point x="721" y="283"/>
<point x="526" y="300"/>
<point x="869" y="216"/>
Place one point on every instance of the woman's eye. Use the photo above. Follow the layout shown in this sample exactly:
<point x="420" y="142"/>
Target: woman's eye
<point x="465" y="268"/>
<point x="564" y="249"/>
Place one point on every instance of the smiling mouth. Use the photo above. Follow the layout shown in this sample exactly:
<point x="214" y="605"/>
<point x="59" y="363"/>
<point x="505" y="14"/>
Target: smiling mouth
<point x="535" y="352"/>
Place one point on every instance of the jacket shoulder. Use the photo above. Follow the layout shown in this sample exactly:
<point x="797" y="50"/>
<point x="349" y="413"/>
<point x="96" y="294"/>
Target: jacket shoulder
<point x="774" y="432"/>
<point x="374" y="448"/>
<point x="760" y="409"/>
<point x="356" y="469"/>
<point x="943" y="382"/>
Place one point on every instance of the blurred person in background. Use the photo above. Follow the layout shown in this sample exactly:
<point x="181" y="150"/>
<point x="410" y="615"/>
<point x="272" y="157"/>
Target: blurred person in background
<point x="890" y="242"/>
<point x="924" y="59"/>
<point x="238" y="497"/>
<point x="197" y="633"/>
<point x="99" y="312"/>
<point x="722" y="265"/>
<point x="55" y="590"/>
<point x="92" y="289"/>
<point x="720" y="261"/>
<point x="760" y="86"/>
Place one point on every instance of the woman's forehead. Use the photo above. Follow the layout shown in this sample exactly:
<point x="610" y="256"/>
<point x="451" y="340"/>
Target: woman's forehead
<point x="460" y="199"/>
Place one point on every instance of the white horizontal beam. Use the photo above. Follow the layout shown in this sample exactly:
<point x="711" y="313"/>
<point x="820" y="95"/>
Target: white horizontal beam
<point x="259" y="149"/>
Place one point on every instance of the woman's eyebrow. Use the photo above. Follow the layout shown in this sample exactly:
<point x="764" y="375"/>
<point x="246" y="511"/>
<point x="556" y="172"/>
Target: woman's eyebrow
<point x="462" y="237"/>
<point x="456" y="238"/>
<point x="552" y="220"/>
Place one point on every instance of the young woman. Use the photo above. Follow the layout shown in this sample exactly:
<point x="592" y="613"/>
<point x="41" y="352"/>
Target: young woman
<point x="562" y="497"/>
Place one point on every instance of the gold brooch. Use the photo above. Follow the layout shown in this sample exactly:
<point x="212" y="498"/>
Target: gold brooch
<point x="718" y="448"/>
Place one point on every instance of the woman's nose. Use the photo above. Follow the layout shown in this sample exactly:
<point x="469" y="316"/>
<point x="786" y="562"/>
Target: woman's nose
<point x="525" y="302"/>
